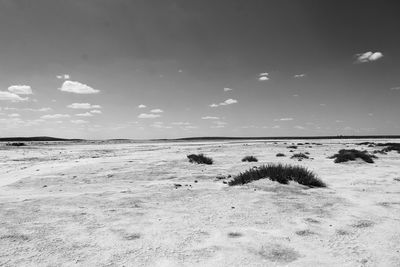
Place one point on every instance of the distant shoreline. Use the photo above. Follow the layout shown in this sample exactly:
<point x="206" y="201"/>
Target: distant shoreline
<point x="210" y="138"/>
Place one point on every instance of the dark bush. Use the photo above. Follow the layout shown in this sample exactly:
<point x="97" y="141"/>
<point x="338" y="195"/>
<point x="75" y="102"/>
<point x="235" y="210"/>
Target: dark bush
<point x="292" y="147"/>
<point x="345" y="155"/>
<point x="280" y="173"/>
<point x="390" y="147"/>
<point x="280" y="155"/>
<point x="199" y="159"/>
<point x="250" y="159"/>
<point x="299" y="156"/>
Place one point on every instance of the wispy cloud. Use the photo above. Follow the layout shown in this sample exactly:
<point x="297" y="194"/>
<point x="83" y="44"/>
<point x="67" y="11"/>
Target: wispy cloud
<point x="299" y="127"/>
<point x="77" y="88"/>
<point x="263" y="76"/>
<point x="20" y="89"/>
<point x="284" y="119"/>
<point x="209" y="118"/>
<point x="63" y="76"/>
<point x="156" y="110"/>
<point x="395" y="88"/>
<point x="29" y="109"/>
<point x="229" y="101"/>
<point x="54" y="116"/>
<point x="86" y="114"/>
<point x="148" y="116"/>
<point x="83" y="106"/>
<point x="79" y="121"/>
<point x="8" y="96"/>
<point x="14" y="115"/>
<point x="299" y="75"/>
<point x="226" y="89"/>
<point x="368" y="56"/>
<point x="96" y="111"/>
<point x="181" y="123"/>
<point x="142" y="106"/>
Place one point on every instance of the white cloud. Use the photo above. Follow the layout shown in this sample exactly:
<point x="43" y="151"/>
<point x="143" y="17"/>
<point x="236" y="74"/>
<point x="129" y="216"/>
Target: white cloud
<point x="263" y="76"/>
<point x="148" y="116"/>
<point x="96" y="111"/>
<point x="83" y="106"/>
<point x="8" y="96"/>
<point x="181" y="123"/>
<point x="284" y="119"/>
<point x="141" y="106"/>
<point x="86" y="114"/>
<point x="20" y="89"/>
<point x="54" y="116"/>
<point x="14" y="115"/>
<point x="209" y="118"/>
<point x="63" y="76"/>
<point x="77" y="88"/>
<point x="299" y="127"/>
<point x="79" y="121"/>
<point x="226" y="89"/>
<point x="299" y="75"/>
<point x="395" y="88"/>
<point x="229" y="101"/>
<point x="156" y="110"/>
<point x="368" y="56"/>
<point x="29" y="109"/>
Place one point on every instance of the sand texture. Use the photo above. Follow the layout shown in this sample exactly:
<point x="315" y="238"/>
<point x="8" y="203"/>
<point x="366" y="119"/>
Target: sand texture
<point x="144" y="204"/>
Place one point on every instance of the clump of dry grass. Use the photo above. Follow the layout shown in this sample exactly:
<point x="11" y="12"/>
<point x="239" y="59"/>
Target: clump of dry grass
<point x="280" y="173"/>
<point x="250" y="159"/>
<point x="345" y="155"/>
<point x="199" y="159"/>
<point x="299" y="156"/>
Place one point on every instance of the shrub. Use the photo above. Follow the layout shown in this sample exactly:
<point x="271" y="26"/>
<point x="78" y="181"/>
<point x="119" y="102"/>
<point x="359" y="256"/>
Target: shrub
<point x="292" y="147"/>
<point x="345" y="155"/>
<point x="299" y="156"/>
<point x="199" y="159"/>
<point x="280" y="155"/>
<point x="279" y="173"/>
<point x="390" y="147"/>
<point x="250" y="159"/>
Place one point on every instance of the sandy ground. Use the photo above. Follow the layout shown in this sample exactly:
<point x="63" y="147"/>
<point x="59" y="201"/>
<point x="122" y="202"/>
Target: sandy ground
<point x="117" y="205"/>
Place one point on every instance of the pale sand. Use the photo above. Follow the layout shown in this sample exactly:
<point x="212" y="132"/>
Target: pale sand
<point x="116" y="205"/>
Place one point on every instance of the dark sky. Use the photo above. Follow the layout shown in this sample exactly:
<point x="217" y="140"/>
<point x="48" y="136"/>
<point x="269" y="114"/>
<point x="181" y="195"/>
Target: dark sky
<point x="333" y="68"/>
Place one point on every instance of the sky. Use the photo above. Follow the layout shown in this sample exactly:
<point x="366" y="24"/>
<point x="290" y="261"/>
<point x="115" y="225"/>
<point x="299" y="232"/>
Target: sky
<point x="147" y="69"/>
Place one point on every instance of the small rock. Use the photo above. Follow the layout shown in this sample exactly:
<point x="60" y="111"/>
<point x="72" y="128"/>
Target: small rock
<point x="44" y="185"/>
<point x="195" y="181"/>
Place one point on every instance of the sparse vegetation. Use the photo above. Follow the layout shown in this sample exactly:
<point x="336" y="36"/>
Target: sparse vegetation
<point x="250" y="159"/>
<point x="280" y="155"/>
<point x="280" y="173"/>
<point x="16" y="144"/>
<point x="299" y="156"/>
<point x="199" y="159"/>
<point x="345" y="155"/>
<point x="390" y="147"/>
<point x="292" y="147"/>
